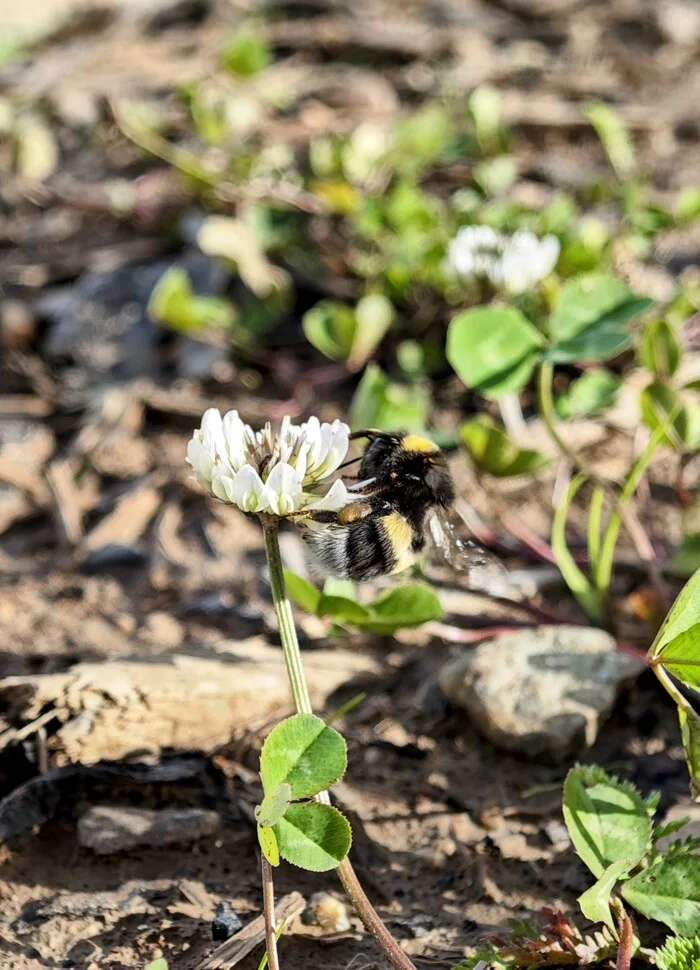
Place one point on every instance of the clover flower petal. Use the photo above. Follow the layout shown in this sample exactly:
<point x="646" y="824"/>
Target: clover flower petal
<point x="514" y="263"/>
<point x="260" y="471"/>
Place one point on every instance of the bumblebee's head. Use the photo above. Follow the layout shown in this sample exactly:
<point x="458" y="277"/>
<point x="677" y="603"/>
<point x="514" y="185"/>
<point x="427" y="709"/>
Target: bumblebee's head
<point x="410" y="463"/>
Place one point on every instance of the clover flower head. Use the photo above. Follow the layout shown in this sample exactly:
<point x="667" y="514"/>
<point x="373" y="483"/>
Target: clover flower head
<point x="262" y="471"/>
<point x="512" y="263"/>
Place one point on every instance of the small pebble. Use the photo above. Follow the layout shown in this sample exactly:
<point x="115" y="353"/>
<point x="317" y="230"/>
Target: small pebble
<point x="164" y="629"/>
<point x="328" y="912"/>
<point x="225" y="923"/>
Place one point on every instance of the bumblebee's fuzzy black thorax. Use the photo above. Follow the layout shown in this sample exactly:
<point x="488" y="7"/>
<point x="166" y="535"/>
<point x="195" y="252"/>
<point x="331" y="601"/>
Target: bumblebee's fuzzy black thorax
<point x="412" y="468"/>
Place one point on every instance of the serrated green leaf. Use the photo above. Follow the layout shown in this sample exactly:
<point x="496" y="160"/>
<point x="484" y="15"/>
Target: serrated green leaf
<point x="669" y="892"/>
<point x="677" y="644"/>
<point x="607" y="819"/>
<point x="591" y="320"/>
<point x="494" y="452"/>
<point x="314" y="836"/>
<point x="403" y="606"/>
<point x="160" y="964"/>
<point x="274" y="805"/>
<point x="267" y="840"/>
<point x="342" y="609"/>
<point x="305" y="754"/>
<point x="304" y="593"/>
<point x="330" y="327"/>
<point x="593" y="392"/>
<point x="493" y="349"/>
<point x="679" y="953"/>
<point x="595" y="902"/>
<point x="374" y="315"/>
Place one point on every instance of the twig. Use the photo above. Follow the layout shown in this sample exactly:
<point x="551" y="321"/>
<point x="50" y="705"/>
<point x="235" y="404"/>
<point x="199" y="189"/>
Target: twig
<point x="269" y="914"/>
<point x="626" y="935"/>
<point x="244" y="942"/>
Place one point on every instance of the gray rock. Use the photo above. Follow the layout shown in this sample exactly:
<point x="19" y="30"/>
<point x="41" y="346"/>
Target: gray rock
<point x="106" y="829"/>
<point x="542" y="693"/>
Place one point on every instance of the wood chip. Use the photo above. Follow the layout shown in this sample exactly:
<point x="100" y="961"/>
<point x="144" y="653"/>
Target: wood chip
<point x="253" y="934"/>
<point x="61" y="479"/>
<point x="127" y="522"/>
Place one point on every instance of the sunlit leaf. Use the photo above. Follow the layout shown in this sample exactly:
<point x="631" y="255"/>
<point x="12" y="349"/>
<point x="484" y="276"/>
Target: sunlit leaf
<point x="592" y="393"/>
<point x="493" y="349"/>
<point x="380" y="403"/>
<point x="668" y="891"/>
<point x="608" y="820"/>
<point x="267" y="840"/>
<point x="659" y="349"/>
<point x="303" y="753"/>
<point x="403" y="606"/>
<point x="677" y="644"/>
<point x="274" y="805"/>
<point x="690" y="735"/>
<point x="330" y="327"/>
<point x="342" y="609"/>
<point x="304" y="593"/>
<point x="236" y="241"/>
<point x="314" y="836"/>
<point x="374" y="315"/>
<point x="591" y="320"/>
<point x="595" y="902"/>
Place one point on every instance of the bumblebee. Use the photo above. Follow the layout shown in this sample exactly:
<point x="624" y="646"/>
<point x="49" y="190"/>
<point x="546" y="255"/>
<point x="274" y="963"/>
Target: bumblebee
<point x="405" y="492"/>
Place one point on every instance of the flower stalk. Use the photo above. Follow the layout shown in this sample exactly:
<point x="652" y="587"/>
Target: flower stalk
<point x="300" y="694"/>
<point x="269" y="915"/>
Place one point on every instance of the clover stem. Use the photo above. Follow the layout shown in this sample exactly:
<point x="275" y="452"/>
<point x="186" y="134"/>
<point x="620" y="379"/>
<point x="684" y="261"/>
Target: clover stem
<point x="269" y="915"/>
<point x="300" y="693"/>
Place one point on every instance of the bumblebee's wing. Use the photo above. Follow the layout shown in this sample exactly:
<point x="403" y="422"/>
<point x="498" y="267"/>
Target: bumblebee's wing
<point x="481" y="569"/>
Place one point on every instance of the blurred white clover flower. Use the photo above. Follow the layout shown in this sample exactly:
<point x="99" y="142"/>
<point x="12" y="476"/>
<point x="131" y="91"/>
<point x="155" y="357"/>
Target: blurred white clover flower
<point x="513" y="263"/>
<point x="260" y="471"/>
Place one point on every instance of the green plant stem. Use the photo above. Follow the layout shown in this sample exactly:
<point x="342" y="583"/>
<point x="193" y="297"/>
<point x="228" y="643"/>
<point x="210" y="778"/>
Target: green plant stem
<point x="300" y="693"/>
<point x="269" y="915"/>
<point x="663" y="675"/>
<point x="622" y="511"/>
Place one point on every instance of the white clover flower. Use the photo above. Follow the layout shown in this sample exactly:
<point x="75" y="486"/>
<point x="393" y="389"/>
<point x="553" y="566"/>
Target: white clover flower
<point x="259" y="471"/>
<point x="513" y="263"/>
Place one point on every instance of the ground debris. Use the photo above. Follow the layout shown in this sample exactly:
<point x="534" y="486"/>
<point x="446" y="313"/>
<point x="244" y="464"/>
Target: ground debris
<point x="106" y="829"/>
<point x="239" y="946"/>
<point x="119" y="709"/>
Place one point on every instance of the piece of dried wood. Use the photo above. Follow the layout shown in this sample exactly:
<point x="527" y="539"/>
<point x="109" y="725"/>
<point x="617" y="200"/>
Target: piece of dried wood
<point x="120" y="709"/>
<point x="244" y="942"/>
